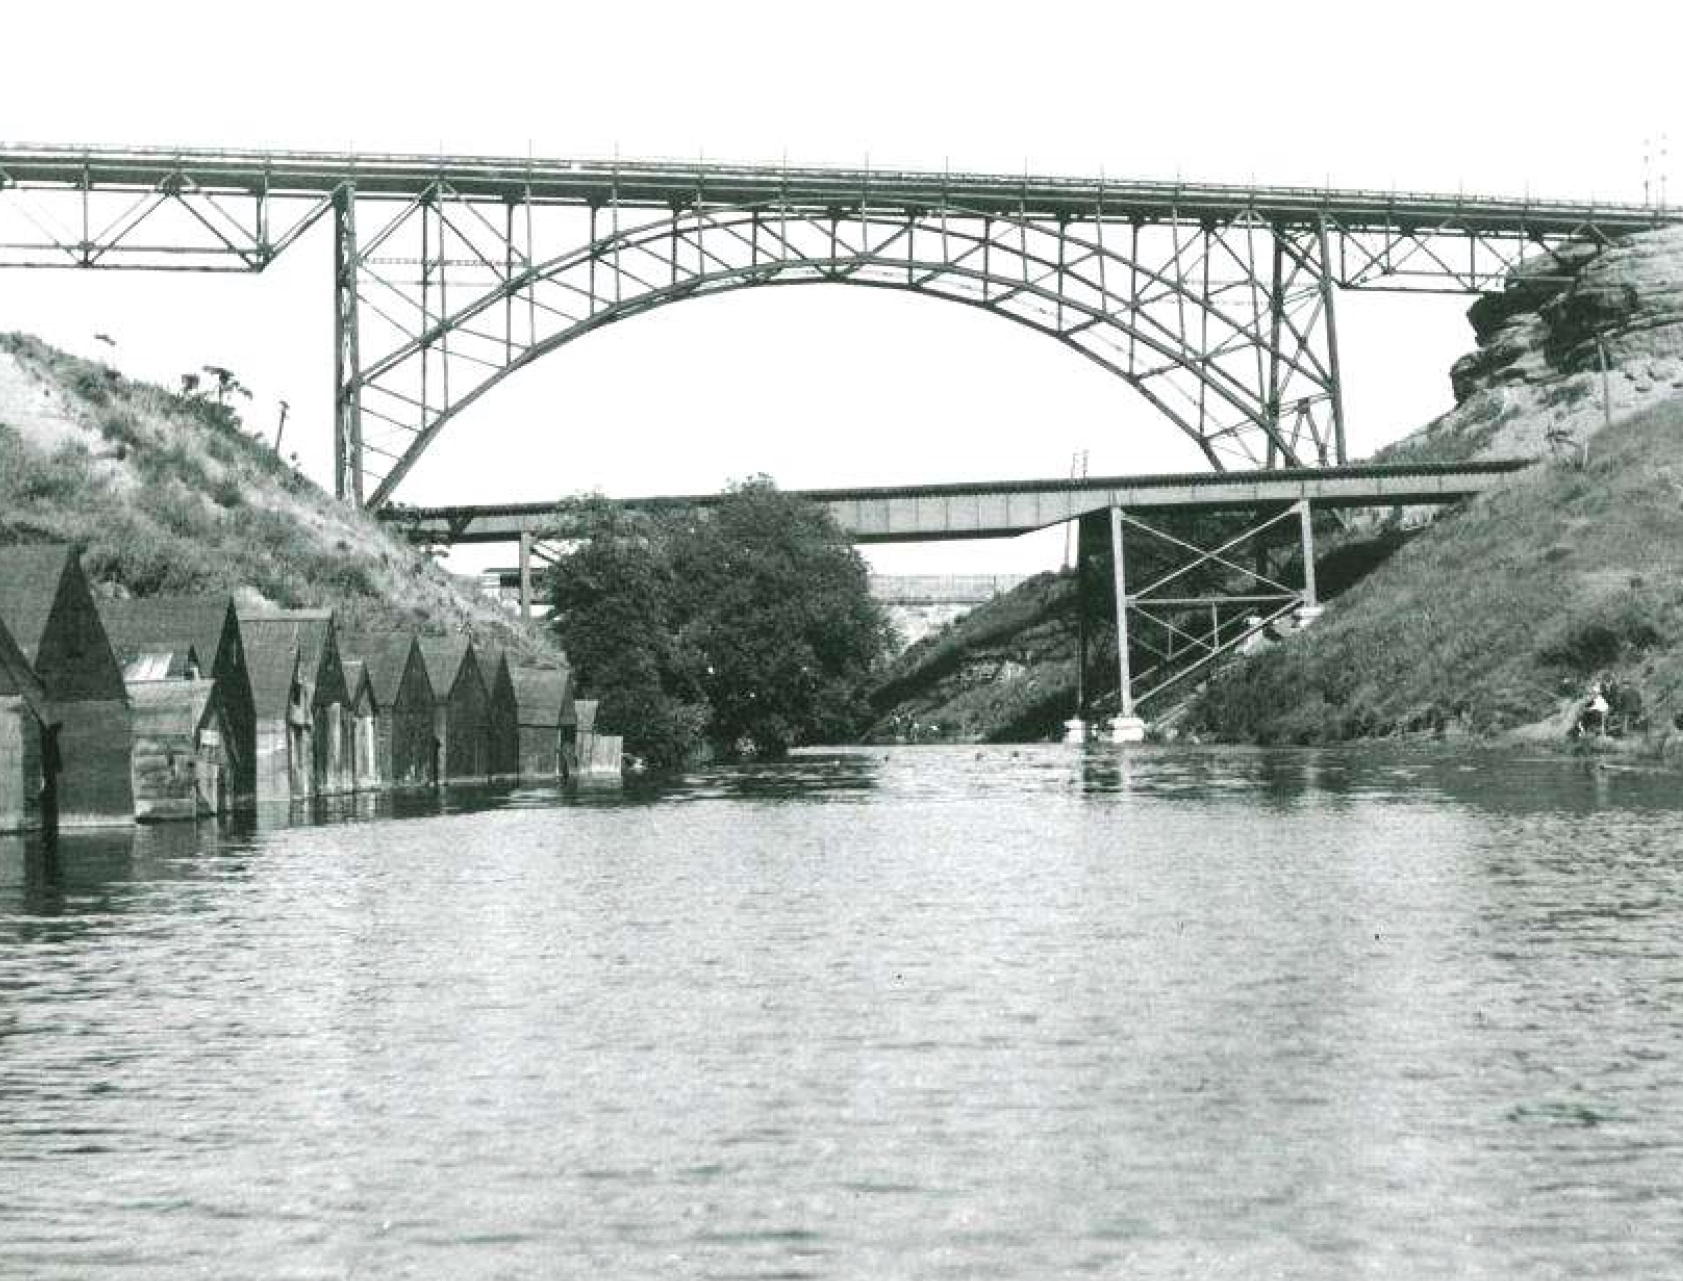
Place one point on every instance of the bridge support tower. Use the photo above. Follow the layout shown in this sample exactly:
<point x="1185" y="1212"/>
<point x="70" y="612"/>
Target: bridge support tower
<point x="1201" y="601"/>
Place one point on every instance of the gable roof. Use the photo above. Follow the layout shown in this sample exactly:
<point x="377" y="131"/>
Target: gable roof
<point x="444" y="657"/>
<point x="356" y="680"/>
<point x="270" y="660"/>
<point x="491" y="660"/>
<point x="185" y="627"/>
<point x="30" y="579"/>
<point x="279" y="643"/>
<point x="541" y="694"/>
<point x="385" y="655"/>
<point x="18" y="678"/>
<point x="196" y="621"/>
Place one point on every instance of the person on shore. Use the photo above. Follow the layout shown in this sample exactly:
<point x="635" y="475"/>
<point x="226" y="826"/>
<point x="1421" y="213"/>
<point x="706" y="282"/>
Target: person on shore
<point x="1594" y="715"/>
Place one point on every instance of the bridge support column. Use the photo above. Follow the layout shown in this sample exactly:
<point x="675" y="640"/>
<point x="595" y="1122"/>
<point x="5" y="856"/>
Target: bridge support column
<point x="1311" y="607"/>
<point x="1125" y="727"/>
<point x="1335" y="379"/>
<point x="1089" y="533"/>
<point x="347" y="368"/>
<point x="525" y="578"/>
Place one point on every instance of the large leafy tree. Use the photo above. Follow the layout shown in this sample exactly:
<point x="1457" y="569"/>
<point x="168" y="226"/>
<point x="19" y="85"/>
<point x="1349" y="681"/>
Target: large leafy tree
<point x="746" y="627"/>
<point x="612" y="595"/>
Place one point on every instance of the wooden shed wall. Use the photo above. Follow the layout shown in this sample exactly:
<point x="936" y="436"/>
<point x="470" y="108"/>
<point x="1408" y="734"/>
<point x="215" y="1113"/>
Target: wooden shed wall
<point x="94" y="789"/>
<point x="20" y="766"/>
<point x="165" y="759"/>
<point x="271" y="761"/>
<point x="540" y="751"/>
<point x="467" y="745"/>
<point x="84" y="686"/>
<point x="502" y="721"/>
<point x="406" y="728"/>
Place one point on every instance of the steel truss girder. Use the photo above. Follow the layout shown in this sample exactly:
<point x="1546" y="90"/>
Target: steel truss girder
<point x="1226" y="328"/>
<point x="174" y="221"/>
<point x="1215" y="302"/>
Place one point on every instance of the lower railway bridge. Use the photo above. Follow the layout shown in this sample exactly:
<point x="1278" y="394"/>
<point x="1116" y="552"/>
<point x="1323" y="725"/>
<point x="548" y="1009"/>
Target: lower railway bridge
<point x="1176" y="630"/>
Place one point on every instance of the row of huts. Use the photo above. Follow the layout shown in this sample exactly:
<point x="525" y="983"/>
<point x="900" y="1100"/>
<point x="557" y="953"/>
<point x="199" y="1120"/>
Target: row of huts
<point x="170" y="707"/>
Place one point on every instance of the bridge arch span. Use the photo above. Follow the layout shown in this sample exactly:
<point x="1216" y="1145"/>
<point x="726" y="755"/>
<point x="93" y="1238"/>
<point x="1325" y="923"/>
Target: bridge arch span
<point x="1225" y="328"/>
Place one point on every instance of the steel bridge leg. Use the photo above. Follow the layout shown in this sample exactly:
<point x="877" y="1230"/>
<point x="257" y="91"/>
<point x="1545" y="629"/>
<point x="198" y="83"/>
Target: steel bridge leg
<point x="1126" y="727"/>
<point x="1089" y="533"/>
<point x="347" y="371"/>
<point x="1335" y="379"/>
<point x="1276" y="324"/>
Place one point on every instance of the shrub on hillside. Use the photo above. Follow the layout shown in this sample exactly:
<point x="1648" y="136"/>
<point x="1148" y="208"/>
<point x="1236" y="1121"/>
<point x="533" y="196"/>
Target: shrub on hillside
<point x="1629" y="623"/>
<point x="29" y="477"/>
<point x="120" y="425"/>
<point x="93" y="383"/>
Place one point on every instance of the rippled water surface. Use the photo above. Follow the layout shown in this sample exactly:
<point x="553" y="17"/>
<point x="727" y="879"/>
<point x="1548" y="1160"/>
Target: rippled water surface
<point x="922" y="1013"/>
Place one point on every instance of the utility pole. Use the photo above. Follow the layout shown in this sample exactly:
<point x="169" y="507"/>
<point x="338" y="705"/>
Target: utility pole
<point x="280" y="427"/>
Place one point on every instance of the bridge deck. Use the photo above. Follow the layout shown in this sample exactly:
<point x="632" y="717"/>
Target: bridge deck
<point x="1002" y="509"/>
<point x="687" y="183"/>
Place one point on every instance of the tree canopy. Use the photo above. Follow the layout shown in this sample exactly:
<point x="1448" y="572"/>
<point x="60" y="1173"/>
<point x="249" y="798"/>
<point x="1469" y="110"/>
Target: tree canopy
<point x="746" y="627"/>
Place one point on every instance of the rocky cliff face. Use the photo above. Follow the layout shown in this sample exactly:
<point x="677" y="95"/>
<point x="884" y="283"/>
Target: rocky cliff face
<point x="1533" y="385"/>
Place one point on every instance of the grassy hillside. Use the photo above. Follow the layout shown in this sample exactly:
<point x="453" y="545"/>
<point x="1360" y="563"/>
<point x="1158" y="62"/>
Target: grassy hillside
<point x="1500" y="615"/>
<point x="168" y="493"/>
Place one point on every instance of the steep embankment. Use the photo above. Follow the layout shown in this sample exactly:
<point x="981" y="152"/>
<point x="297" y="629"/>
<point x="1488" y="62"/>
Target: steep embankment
<point x="166" y="494"/>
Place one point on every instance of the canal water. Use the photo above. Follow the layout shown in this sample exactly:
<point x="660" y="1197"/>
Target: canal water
<point x="935" y="1012"/>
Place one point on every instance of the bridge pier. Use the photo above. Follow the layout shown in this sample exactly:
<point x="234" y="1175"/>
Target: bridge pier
<point x="1311" y="609"/>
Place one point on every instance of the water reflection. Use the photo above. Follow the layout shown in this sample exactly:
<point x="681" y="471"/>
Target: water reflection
<point x="967" y="1011"/>
<point x="89" y="871"/>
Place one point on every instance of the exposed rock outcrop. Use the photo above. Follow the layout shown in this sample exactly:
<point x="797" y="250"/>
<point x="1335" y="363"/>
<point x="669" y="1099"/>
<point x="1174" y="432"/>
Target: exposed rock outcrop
<point x="1533" y="384"/>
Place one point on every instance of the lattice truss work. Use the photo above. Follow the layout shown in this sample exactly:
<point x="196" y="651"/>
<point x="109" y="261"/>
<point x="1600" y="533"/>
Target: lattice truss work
<point x="174" y="220"/>
<point x="1178" y="630"/>
<point x="1226" y="329"/>
<point x="1215" y="303"/>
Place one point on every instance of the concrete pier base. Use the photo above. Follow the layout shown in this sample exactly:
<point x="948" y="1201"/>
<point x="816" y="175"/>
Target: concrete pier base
<point x="1127" y="729"/>
<point x="1308" y="614"/>
<point x="1075" y="730"/>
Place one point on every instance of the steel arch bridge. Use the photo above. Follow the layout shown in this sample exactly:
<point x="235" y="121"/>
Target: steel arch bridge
<point x="1215" y="303"/>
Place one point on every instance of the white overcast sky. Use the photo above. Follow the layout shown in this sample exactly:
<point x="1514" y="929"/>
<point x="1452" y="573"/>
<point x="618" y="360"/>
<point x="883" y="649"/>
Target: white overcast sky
<point x="827" y="386"/>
